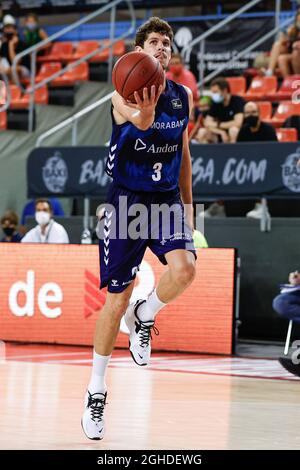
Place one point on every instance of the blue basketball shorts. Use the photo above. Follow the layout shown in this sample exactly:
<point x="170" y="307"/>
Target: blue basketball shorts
<point x="133" y="221"/>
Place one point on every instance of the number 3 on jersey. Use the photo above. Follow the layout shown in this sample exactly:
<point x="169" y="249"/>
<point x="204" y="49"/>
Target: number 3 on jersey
<point x="157" y="170"/>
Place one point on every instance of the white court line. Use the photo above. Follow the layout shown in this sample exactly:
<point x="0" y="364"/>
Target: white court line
<point x="258" y="368"/>
<point x="47" y="355"/>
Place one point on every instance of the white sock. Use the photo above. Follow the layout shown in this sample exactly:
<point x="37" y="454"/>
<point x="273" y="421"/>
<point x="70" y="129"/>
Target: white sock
<point x="97" y="382"/>
<point x="150" y="308"/>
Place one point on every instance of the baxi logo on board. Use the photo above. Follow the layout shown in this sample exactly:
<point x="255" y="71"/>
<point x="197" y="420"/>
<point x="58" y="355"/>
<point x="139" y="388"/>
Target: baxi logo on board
<point x="55" y="173"/>
<point x="291" y="172"/>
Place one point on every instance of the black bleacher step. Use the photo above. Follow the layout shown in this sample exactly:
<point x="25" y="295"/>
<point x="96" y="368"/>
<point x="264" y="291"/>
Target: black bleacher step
<point x="17" y="119"/>
<point x="62" y="95"/>
<point x="98" y="71"/>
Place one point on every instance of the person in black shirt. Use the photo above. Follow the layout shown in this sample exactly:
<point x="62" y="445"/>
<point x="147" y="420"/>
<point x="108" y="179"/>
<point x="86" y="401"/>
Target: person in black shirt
<point x="225" y="116"/>
<point x="10" y="47"/>
<point x="9" y="222"/>
<point x="253" y="129"/>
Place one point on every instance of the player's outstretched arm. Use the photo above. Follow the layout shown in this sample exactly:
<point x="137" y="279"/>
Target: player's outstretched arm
<point x="140" y="114"/>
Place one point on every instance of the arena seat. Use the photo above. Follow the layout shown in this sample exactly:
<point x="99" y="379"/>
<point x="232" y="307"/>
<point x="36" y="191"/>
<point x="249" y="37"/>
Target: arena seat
<point x="84" y="48"/>
<point x="237" y="85"/>
<point x="286" y="90"/>
<point x="78" y="73"/>
<point x="60" y="51"/>
<point x="47" y="70"/>
<point x="260" y="87"/>
<point x="15" y="93"/>
<point x="287" y="134"/>
<point x="41" y="96"/>
<point x="3" y="120"/>
<point x="118" y="50"/>
<point x="265" y="109"/>
<point x="285" y="109"/>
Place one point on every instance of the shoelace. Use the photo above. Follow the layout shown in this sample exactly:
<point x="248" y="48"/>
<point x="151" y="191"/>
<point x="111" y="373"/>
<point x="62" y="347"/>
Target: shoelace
<point x="97" y="406"/>
<point x="145" y="334"/>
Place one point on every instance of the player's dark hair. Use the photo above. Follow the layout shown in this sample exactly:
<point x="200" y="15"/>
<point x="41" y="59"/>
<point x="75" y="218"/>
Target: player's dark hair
<point x="46" y="201"/>
<point x="221" y="83"/>
<point x="153" y="25"/>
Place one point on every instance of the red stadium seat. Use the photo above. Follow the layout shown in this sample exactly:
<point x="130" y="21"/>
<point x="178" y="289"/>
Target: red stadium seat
<point x="260" y="87"/>
<point x="84" y="48"/>
<point x="286" y="90"/>
<point x="15" y="96"/>
<point x="47" y="70"/>
<point x="237" y="85"/>
<point x="287" y="134"/>
<point x="60" y="51"/>
<point x="265" y="109"/>
<point x="118" y="50"/>
<point x="15" y="92"/>
<point x="78" y="73"/>
<point x="3" y="120"/>
<point x="41" y="96"/>
<point x="284" y="110"/>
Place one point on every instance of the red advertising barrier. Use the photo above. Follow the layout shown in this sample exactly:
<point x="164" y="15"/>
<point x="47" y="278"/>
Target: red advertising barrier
<point x="50" y="294"/>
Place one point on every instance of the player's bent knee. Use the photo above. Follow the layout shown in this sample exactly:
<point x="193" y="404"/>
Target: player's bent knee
<point x="185" y="274"/>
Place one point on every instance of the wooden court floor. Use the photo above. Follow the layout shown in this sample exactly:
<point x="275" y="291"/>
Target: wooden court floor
<point x="179" y="402"/>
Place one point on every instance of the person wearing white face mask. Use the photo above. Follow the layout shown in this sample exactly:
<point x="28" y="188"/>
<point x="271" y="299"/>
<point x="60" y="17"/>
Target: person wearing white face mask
<point x="225" y="116"/>
<point x="47" y="230"/>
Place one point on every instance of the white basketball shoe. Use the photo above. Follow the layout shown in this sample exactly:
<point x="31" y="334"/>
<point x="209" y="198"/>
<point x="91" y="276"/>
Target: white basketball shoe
<point x="92" y="420"/>
<point x="139" y="334"/>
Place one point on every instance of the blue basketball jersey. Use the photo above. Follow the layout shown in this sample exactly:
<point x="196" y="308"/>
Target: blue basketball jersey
<point x="150" y="160"/>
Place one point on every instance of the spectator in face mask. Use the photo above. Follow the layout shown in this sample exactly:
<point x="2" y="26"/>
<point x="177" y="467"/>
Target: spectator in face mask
<point x="33" y="33"/>
<point x="47" y="230"/>
<point x="253" y="129"/>
<point x="9" y="223"/>
<point x="225" y="116"/>
<point x="180" y="74"/>
<point x="11" y="46"/>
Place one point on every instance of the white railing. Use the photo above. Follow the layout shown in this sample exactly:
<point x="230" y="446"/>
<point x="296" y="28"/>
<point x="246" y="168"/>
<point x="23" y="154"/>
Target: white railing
<point x="32" y="51"/>
<point x="73" y="121"/>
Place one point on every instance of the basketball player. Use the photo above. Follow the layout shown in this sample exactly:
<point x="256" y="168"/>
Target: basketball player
<point x="143" y="173"/>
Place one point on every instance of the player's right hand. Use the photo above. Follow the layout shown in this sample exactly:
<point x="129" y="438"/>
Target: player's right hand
<point x="148" y="103"/>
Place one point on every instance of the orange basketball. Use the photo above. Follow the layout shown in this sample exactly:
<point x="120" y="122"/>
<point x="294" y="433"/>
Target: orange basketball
<point x="135" y="71"/>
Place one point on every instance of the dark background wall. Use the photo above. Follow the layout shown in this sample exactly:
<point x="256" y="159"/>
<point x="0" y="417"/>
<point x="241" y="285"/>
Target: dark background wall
<point x="266" y="260"/>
